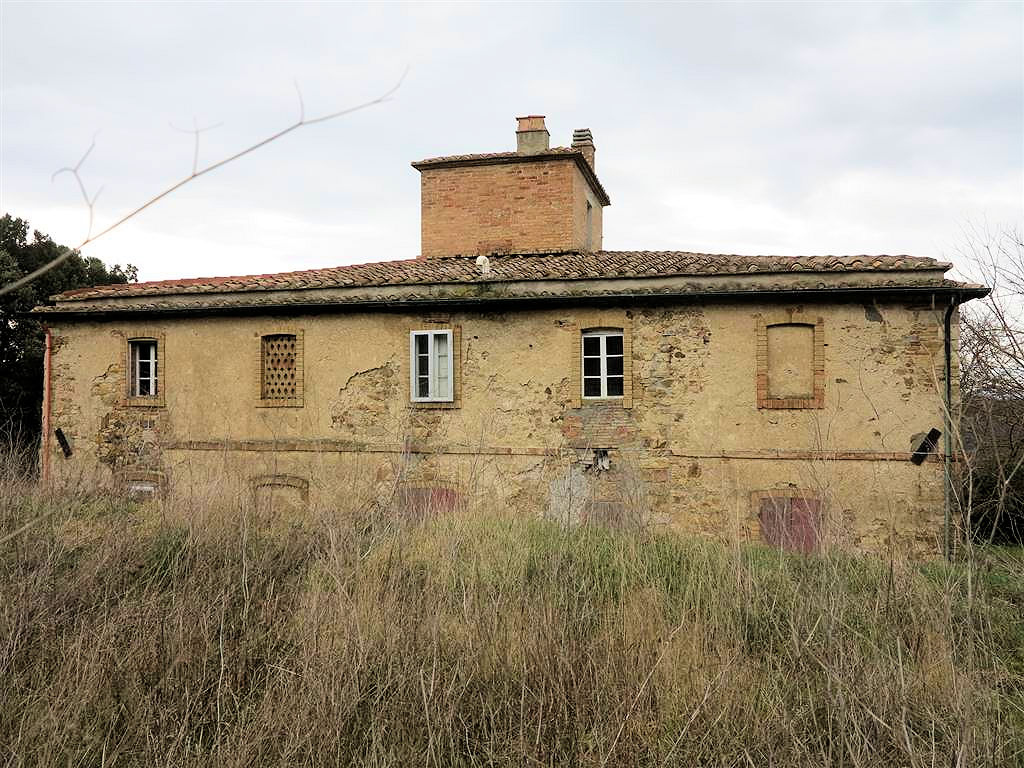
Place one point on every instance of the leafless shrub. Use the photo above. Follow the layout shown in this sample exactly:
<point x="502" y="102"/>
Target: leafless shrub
<point x="992" y="387"/>
<point x="178" y="635"/>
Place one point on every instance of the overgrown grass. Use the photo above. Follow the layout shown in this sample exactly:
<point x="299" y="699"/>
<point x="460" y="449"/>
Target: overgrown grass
<point x="135" y="636"/>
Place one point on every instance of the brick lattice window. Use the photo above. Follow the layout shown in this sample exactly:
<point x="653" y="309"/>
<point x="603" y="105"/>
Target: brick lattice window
<point x="789" y="520"/>
<point x="280" y="369"/>
<point x="279" y="357"/>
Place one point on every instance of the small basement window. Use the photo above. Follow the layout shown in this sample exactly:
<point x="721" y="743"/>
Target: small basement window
<point x="603" y="361"/>
<point x="431" y="367"/>
<point x="144" y="379"/>
<point x="142" y="485"/>
<point x="280" y="494"/>
<point x="142" y="489"/>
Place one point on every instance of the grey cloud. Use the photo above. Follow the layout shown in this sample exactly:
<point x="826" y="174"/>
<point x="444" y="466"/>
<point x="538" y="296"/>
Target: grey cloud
<point x="785" y="128"/>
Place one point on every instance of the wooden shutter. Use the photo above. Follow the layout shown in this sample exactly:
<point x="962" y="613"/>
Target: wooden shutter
<point x="790" y="522"/>
<point x="415" y="503"/>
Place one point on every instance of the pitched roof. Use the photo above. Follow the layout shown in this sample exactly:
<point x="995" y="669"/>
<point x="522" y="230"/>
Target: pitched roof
<point x="516" y="268"/>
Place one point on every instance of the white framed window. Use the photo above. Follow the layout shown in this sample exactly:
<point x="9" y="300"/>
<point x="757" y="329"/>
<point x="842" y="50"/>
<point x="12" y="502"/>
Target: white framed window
<point x="603" y="364"/>
<point x="144" y="381"/>
<point x="431" y="365"/>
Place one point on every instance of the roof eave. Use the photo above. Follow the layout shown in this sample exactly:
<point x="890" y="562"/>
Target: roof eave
<point x="485" y="294"/>
<point x="581" y="163"/>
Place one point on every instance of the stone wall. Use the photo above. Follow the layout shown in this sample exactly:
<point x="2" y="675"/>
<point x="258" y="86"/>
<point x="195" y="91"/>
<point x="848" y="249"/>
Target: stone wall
<point x="689" y="448"/>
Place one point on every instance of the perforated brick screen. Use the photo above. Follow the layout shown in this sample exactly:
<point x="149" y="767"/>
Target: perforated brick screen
<point x="279" y="380"/>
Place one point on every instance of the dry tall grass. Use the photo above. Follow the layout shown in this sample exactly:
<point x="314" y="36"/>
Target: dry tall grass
<point x="146" y="636"/>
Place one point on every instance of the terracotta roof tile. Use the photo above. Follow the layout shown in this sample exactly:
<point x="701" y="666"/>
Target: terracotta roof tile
<point x="509" y="268"/>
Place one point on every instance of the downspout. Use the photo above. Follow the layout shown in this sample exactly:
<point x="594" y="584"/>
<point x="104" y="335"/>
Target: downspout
<point x="947" y="441"/>
<point x="44" y="445"/>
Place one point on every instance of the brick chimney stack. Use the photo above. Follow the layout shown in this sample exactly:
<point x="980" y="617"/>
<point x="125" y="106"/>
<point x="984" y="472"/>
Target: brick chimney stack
<point x="532" y="135"/>
<point x="536" y="200"/>
<point x="583" y="140"/>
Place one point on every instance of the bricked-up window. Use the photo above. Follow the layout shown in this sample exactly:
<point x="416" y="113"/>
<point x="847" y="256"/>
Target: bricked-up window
<point x="790" y="522"/>
<point x="279" y="371"/>
<point x="144" y="379"/>
<point x="431" y="366"/>
<point x="603" y="361"/>
<point x="791" y="360"/>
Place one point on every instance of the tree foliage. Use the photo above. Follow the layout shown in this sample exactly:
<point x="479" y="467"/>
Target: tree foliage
<point x="22" y="340"/>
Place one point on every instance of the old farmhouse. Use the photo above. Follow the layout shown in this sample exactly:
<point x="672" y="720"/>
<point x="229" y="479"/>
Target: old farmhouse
<point x="796" y="400"/>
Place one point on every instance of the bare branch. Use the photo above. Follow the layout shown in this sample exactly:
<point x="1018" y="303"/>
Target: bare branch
<point x="90" y="202"/>
<point x="992" y="382"/>
<point x="90" y="238"/>
<point x="302" y="104"/>
<point x="195" y="131"/>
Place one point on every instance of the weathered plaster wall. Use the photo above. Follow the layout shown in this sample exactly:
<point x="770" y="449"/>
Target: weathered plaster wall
<point x="689" y="452"/>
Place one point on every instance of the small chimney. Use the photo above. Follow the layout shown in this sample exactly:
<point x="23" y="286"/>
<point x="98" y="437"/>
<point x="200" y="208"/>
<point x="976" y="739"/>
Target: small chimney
<point x="532" y="135"/>
<point x="584" y="141"/>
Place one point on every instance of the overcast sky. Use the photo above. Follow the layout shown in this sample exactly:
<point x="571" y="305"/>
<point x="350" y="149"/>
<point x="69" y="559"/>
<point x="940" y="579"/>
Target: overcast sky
<point x="725" y="128"/>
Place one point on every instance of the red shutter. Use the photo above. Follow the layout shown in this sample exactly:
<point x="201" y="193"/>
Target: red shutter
<point x="790" y="523"/>
<point x="773" y="512"/>
<point x="420" y="503"/>
<point x="803" y="524"/>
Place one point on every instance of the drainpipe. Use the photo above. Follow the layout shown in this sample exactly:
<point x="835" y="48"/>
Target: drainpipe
<point x="947" y="442"/>
<point x="44" y="445"/>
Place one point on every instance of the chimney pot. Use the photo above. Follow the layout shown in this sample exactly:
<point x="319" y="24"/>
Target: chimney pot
<point x="532" y="135"/>
<point x="583" y="140"/>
